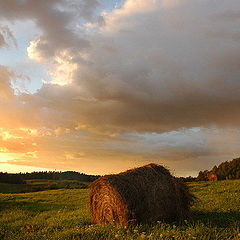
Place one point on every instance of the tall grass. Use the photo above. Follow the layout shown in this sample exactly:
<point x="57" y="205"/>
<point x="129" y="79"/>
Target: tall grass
<point x="64" y="214"/>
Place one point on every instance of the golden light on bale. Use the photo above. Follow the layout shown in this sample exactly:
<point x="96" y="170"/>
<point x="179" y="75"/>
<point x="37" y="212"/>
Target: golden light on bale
<point x="146" y="194"/>
<point x="212" y="177"/>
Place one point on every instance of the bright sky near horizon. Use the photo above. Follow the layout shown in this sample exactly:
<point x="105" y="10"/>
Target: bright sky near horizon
<point x="104" y="86"/>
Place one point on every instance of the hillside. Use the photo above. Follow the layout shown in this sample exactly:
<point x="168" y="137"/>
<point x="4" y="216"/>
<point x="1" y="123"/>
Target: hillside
<point x="51" y="175"/>
<point x="39" y="181"/>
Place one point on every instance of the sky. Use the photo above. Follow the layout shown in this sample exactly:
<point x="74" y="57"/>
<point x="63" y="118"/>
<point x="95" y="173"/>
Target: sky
<point x="103" y="86"/>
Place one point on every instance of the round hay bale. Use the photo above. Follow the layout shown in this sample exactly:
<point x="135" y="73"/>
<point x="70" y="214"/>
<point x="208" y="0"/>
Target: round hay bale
<point x="144" y="194"/>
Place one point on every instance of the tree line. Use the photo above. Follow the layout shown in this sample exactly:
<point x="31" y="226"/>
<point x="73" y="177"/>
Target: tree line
<point x="11" y="178"/>
<point x="19" y="178"/>
<point x="226" y="170"/>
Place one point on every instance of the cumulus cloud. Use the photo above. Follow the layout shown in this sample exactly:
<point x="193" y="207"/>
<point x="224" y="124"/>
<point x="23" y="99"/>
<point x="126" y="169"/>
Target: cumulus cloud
<point x="51" y="18"/>
<point x="154" y="69"/>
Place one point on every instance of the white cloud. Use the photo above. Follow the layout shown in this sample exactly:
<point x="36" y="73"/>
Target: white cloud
<point x="33" y="53"/>
<point x="63" y="71"/>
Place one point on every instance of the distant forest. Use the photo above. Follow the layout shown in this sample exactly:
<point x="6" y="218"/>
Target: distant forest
<point x="226" y="170"/>
<point x="19" y="178"/>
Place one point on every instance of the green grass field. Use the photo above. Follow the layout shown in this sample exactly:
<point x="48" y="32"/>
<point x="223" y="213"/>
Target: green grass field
<point x="36" y="185"/>
<point x="63" y="214"/>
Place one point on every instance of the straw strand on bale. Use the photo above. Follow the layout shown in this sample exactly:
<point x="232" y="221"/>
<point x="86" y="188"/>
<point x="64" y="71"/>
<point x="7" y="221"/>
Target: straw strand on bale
<point x="144" y="194"/>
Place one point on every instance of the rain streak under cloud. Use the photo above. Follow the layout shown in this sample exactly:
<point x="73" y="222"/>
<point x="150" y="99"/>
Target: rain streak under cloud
<point x="125" y="83"/>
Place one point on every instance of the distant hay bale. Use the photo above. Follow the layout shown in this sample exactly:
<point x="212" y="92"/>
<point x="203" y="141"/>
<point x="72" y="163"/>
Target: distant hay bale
<point x="212" y="177"/>
<point x="144" y="194"/>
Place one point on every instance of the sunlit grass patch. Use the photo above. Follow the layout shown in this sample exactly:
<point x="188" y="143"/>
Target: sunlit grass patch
<point x="64" y="214"/>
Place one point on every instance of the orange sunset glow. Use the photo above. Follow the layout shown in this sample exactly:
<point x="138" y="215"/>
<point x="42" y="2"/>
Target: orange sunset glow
<point x="103" y="87"/>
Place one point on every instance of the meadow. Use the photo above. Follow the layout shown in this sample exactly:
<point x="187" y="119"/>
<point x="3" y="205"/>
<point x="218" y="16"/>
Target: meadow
<point x="64" y="214"/>
<point x="35" y="185"/>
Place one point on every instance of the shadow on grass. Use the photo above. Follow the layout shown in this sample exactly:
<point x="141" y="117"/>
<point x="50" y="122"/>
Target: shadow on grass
<point x="217" y="219"/>
<point x="34" y="207"/>
<point x="213" y="219"/>
<point x="209" y="219"/>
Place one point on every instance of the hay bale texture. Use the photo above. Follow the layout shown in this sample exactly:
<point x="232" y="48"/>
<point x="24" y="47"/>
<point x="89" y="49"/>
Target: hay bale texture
<point x="144" y="194"/>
